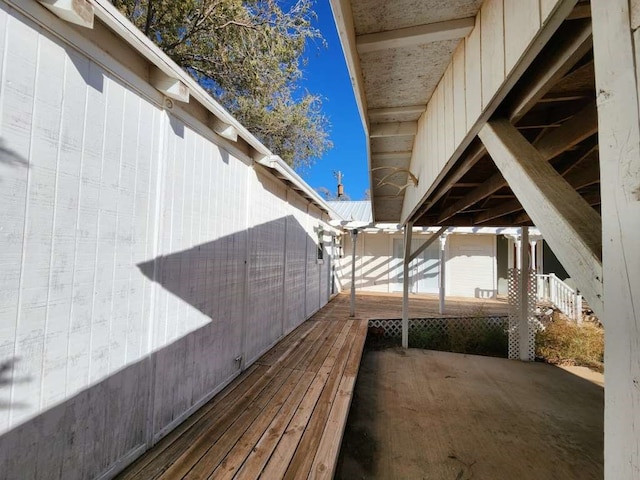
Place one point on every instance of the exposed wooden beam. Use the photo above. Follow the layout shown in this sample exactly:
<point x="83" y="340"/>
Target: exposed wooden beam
<point x="572" y="228"/>
<point x="78" y="12"/>
<point x="426" y="244"/>
<point x="390" y="156"/>
<point x="560" y="62"/>
<point x="169" y="86"/>
<point x="584" y="176"/>
<point x="578" y="128"/>
<point x="578" y="178"/>
<point x="378" y="113"/>
<point x="223" y="129"/>
<point x="581" y="10"/>
<point x="505" y="208"/>
<point x="393" y="129"/>
<point x="548" y="28"/>
<point x="416" y="35"/>
<point x="495" y="183"/>
<point x="616" y="48"/>
<point x="477" y="152"/>
<point x="550" y="145"/>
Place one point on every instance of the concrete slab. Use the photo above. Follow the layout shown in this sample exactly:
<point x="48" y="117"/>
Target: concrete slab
<point x="420" y="414"/>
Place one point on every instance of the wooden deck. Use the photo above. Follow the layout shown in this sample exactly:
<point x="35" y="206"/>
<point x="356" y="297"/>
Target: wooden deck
<point x="282" y="418"/>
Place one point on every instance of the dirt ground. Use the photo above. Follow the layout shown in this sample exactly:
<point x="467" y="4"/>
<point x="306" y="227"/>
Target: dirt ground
<point x="419" y="414"/>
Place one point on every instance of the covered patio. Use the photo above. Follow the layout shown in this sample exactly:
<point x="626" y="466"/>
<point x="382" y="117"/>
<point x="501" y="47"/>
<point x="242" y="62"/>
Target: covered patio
<point x="284" y="417"/>
<point x="439" y="415"/>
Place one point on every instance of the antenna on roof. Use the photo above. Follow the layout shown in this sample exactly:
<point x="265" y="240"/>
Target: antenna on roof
<point x="338" y="175"/>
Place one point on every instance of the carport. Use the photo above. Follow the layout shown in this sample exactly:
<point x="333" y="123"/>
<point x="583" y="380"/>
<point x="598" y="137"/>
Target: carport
<point x="515" y="113"/>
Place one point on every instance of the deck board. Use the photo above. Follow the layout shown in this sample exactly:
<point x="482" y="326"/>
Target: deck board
<point x="271" y="421"/>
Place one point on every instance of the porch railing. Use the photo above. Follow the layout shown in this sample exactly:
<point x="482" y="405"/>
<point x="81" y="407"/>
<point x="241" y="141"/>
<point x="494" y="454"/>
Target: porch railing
<point x="562" y="296"/>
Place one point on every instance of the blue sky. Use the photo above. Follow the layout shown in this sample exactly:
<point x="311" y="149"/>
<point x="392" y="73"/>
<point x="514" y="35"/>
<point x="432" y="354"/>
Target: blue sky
<point x="326" y="75"/>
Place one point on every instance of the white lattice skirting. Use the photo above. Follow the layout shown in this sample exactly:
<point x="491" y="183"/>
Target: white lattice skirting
<point x="392" y="328"/>
<point x="515" y="302"/>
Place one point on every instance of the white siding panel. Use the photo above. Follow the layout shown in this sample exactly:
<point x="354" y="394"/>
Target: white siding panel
<point x="74" y="222"/>
<point x="296" y="248"/>
<point x="313" y="268"/>
<point x="18" y="97"/>
<point x="135" y="256"/>
<point x="374" y="272"/>
<point x="267" y="220"/>
<point x="64" y="229"/>
<point x="471" y="266"/>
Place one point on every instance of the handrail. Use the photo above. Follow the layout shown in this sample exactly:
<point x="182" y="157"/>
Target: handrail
<point x="562" y="296"/>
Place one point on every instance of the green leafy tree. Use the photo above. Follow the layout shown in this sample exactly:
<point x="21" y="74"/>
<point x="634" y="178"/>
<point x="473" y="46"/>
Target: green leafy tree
<point x="249" y="55"/>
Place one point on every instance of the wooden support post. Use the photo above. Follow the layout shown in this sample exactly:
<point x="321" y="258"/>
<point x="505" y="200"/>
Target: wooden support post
<point x="615" y="48"/>
<point x="354" y="239"/>
<point x="443" y="281"/>
<point x="408" y="230"/>
<point x="523" y="284"/>
<point x="565" y="219"/>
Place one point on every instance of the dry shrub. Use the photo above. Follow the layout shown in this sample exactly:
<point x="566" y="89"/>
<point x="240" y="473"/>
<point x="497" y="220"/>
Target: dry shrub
<point x="564" y="342"/>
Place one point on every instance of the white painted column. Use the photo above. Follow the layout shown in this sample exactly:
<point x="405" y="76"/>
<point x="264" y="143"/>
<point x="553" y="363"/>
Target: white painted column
<point x="354" y="239"/>
<point x="523" y="326"/>
<point x="540" y="257"/>
<point x="443" y="261"/>
<point x="615" y="55"/>
<point x="534" y="255"/>
<point x="518" y="242"/>
<point x="511" y="242"/>
<point x="408" y="231"/>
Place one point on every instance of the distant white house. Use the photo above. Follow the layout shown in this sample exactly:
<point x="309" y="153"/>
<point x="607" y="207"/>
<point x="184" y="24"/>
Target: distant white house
<point x="477" y="259"/>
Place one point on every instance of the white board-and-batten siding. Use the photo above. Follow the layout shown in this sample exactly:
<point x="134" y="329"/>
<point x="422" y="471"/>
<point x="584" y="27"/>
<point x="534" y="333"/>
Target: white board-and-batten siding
<point x="488" y="61"/>
<point x="471" y="264"/>
<point x="140" y="256"/>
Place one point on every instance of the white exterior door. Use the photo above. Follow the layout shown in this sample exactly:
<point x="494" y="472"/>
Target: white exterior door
<point x="425" y="270"/>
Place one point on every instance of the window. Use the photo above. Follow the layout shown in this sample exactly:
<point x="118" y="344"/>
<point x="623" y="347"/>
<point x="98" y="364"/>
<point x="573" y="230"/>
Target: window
<point x="320" y="254"/>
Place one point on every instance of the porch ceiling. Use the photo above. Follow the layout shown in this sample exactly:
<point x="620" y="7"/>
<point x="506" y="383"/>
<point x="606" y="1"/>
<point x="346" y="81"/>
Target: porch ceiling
<point x="399" y="50"/>
<point x="403" y="48"/>
<point x="553" y="106"/>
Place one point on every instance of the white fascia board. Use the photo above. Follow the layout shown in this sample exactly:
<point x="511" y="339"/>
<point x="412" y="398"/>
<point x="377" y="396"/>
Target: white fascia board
<point x="114" y="20"/>
<point x="276" y="163"/>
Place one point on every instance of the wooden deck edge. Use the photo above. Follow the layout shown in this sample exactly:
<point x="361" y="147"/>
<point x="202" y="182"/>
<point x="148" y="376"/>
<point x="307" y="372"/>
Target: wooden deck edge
<point x="326" y="459"/>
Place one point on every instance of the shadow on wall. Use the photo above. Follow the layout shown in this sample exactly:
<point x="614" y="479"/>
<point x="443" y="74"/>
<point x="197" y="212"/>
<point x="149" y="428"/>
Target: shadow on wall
<point x="103" y="427"/>
<point x="6" y="380"/>
<point x="208" y="275"/>
<point x="9" y="157"/>
<point x="385" y="271"/>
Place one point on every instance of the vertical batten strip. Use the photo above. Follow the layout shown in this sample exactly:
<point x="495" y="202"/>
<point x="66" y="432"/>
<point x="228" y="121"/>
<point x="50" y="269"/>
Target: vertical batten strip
<point x="492" y="48"/>
<point x="522" y="22"/>
<point x="459" y="93"/>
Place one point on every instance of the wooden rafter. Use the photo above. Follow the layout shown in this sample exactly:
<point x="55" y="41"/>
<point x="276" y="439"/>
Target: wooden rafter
<point x="393" y="129"/>
<point x="378" y="113"/>
<point x="561" y="61"/>
<point x="553" y="143"/>
<point x="416" y="35"/>
<point x="567" y="221"/>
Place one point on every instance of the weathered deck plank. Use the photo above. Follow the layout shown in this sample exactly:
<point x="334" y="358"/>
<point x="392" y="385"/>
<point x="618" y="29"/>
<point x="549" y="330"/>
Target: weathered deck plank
<point x="271" y="421"/>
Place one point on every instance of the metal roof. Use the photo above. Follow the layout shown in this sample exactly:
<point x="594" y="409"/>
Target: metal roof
<point x="359" y="211"/>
